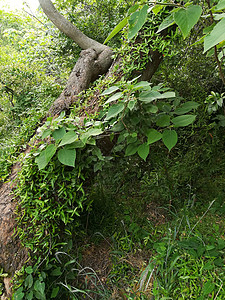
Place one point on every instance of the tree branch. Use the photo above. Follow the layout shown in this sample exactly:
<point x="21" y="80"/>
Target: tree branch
<point x="69" y="29"/>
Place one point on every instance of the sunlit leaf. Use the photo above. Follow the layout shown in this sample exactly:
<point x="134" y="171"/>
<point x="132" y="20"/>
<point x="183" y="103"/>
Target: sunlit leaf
<point x="187" y="17"/>
<point x="117" y="29"/>
<point x="114" y="110"/>
<point x="67" y="157"/>
<point x="216" y="36"/>
<point x="68" y="138"/>
<point x="166" y="23"/>
<point x="137" y="20"/>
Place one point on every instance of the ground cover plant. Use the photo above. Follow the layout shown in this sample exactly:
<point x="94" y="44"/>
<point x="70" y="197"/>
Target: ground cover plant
<point x="120" y="194"/>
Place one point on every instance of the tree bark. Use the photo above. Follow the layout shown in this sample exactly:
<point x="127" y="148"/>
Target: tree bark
<point x="88" y="67"/>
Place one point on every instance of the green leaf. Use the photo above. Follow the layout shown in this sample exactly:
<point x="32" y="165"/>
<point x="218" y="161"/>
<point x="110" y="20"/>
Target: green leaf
<point x="149" y="96"/>
<point x="184" y="120"/>
<point x="137" y="20"/>
<point x="39" y="286"/>
<point x="114" y="110"/>
<point x="167" y="95"/>
<point x="29" y="270"/>
<point x="216" y="36"/>
<point x="59" y="133"/>
<point x="110" y="90"/>
<point x="95" y="131"/>
<point x="117" y="29"/>
<point x="46" y="133"/>
<point x="131" y="149"/>
<point x="55" y="292"/>
<point x="131" y="104"/>
<point x="68" y="138"/>
<point x="186" y="107"/>
<point x="30" y="295"/>
<point x="157" y="8"/>
<point x="219" y="6"/>
<point x="186" y="18"/>
<point x="166" y="23"/>
<point x="45" y="156"/>
<point x="141" y="84"/>
<point x="163" y="121"/>
<point x="169" y="138"/>
<point x="19" y="295"/>
<point x="151" y="108"/>
<point x="56" y="272"/>
<point x="114" y="98"/>
<point x="29" y="281"/>
<point x="208" y="287"/>
<point x="76" y="144"/>
<point x="153" y="136"/>
<point x="143" y="151"/>
<point x="67" y="157"/>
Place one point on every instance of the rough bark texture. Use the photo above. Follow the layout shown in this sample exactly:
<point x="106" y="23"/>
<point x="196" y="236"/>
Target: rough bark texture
<point x="88" y="67"/>
<point x="12" y="254"/>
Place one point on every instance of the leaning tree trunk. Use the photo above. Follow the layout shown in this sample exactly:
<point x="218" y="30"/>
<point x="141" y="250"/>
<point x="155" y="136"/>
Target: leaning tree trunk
<point x="95" y="60"/>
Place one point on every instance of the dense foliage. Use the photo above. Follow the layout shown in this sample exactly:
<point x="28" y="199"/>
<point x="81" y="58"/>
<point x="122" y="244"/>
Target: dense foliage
<point x="141" y="180"/>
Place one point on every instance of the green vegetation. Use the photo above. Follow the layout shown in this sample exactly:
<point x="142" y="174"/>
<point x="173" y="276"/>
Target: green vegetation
<point x="128" y="202"/>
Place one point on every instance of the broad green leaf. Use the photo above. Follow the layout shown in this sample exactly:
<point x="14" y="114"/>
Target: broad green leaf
<point x="74" y="145"/>
<point x="151" y="108"/>
<point x="95" y="131"/>
<point x="216" y="36"/>
<point x="131" y="104"/>
<point x="166" y="23"/>
<point x="208" y="287"/>
<point x="56" y="272"/>
<point x="30" y="295"/>
<point x="55" y="292"/>
<point x="39" y="286"/>
<point x="186" y="107"/>
<point x="19" y="295"/>
<point x="29" y="281"/>
<point x="141" y="84"/>
<point x="149" y="96"/>
<point x="91" y="132"/>
<point x="153" y="136"/>
<point x="184" y="120"/>
<point x="219" y="6"/>
<point x="157" y="8"/>
<point x="117" y="29"/>
<point x="29" y="270"/>
<point x="143" y="151"/>
<point x="163" y="121"/>
<point x="68" y="138"/>
<point x="186" y="18"/>
<point x="67" y="157"/>
<point x="133" y="8"/>
<point x="166" y="95"/>
<point x="45" y="156"/>
<point x="114" y="110"/>
<point x="59" y="133"/>
<point x="110" y="90"/>
<point x="114" y="98"/>
<point x="131" y="149"/>
<point x="46" y="133"/>
<point x="138" y="21"/>
<point x="169" y="138"/>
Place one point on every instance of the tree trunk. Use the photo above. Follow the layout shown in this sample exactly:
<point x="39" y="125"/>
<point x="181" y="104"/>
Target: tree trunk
<point x="88" y="67"/>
